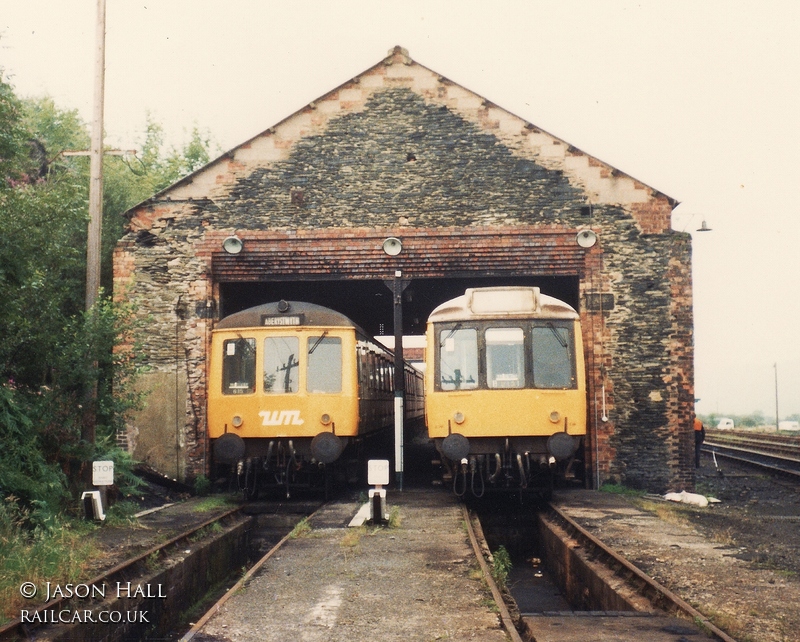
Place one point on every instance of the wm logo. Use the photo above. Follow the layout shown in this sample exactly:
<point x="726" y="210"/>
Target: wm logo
<point x="280" y="418"/>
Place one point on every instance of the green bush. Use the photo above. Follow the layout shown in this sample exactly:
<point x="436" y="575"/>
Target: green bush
<point x="38" y="486"/>
<point x="501" y="566"/>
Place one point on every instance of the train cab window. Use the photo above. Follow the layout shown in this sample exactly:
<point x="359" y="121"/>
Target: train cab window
<point x="458" y="358"/>
<point x="281" y="365"/>
<point x="552" y="357"/>
<point x="239" y="366"/>
<point x="505" y="357"/>
<point x="324" y="364"/>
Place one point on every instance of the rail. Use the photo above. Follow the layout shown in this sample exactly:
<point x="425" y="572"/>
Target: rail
<point x="16" y="629"/>
<point x="201" y="622"/>
<point x="505" y="615"/>
<point x="778" y="453"/>
<point x="658" y="594"/>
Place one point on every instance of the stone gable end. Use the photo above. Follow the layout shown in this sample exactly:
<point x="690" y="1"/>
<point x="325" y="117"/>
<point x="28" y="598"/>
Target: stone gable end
<point x="473" y="191"/>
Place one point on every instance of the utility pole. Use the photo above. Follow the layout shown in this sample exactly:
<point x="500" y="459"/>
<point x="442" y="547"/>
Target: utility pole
<point x="88" y="429"/>
<point x="777" y="416"/>
<point x="96" y="168"/>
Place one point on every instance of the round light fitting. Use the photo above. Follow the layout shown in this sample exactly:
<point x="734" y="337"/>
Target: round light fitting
<point x="586" y="238"/>
<point x="392" y="246"/>
<point x="232" y="245"/>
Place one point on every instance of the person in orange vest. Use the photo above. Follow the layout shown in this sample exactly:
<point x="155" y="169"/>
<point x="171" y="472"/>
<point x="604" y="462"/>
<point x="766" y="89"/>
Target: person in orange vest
<point x="699" y="438"/>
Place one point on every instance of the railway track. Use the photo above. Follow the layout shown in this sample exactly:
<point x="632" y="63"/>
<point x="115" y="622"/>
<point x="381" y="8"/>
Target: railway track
<point x="586" y="584"/>
<point x="641" y="584"/>
<point x="479" y="547"/>
<point x="125" y="574"/>
<point x="650" y="601"/>
<point x="777" y="453"/>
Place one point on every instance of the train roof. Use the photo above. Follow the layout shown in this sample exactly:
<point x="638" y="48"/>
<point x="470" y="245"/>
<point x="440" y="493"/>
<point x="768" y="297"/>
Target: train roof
<point x="511" y="302"/>
<point x="286" y="314"/>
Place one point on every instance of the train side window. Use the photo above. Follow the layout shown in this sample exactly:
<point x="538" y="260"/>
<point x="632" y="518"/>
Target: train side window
<point x="239" y="366"/>
<point x="372" y="370"/>
<point x="458" y="358"/>
<point x="362" y="367"/>
<point x="281" y="365"/>
<point x="324" y="364"/>
<point x="552" y="357"/>
<point x="505" y="357"/>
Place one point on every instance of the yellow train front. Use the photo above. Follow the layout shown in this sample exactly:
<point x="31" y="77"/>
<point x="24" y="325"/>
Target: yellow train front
<point x="292" y="386"/>
<point x="505" y="394"/>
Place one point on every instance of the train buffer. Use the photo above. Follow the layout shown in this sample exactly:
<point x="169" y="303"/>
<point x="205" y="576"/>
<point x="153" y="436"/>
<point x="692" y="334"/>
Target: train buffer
<point x="414" y="579"/>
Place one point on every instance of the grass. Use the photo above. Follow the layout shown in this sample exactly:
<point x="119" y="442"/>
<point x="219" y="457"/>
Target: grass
<point x="58" y="555"/>
<point x="352" y="537"/>
<point x="213" y="503"/>
<point x="122" y="514"/>
<point x="301" y="529"/>
<point x="210" y="529"/>
<point x="619" y="489"/>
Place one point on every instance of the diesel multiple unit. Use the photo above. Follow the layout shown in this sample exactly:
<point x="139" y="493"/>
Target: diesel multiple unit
<point x="505" y="398"/>
<point x="293" y="386"/>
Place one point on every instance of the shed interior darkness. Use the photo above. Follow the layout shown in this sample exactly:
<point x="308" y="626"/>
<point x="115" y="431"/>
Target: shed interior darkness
<point x="368" y="302"/>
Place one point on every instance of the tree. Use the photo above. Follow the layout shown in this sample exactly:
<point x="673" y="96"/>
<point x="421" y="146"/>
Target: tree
<point x="51" y="350"/>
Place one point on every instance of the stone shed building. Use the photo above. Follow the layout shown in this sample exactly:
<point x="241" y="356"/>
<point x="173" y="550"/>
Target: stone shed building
<point x="477" y="195"/>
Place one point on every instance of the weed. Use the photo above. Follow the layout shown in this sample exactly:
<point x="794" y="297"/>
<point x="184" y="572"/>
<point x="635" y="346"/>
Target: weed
<point x="352" y="537"/>
<point x="394" y="517"/>
<point x="301" y="529"/>
<point x="153" y="561"/>
<point x="121" y="514"/>
<point x="56" y="554"/>
<point x="209" y="529"/>
<point x="501" y="566"/>
<point x="619" y="489"/>
<point x="202" y="486"/>
<point x="728" y="623"/>
<point x="212" y="503"/>
<point x="725" y="537"/>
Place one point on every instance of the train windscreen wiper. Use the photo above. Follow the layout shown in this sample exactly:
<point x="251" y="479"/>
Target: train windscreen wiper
<point x="559" y="338"/>
<point x="317" y="342"/>
<point x="455" y="329"/>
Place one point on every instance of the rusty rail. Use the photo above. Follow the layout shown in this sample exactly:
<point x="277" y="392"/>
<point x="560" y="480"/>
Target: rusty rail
<point x="505" y="615"/>
<point x="659" y="595"/>
<point x="16" y="629"/>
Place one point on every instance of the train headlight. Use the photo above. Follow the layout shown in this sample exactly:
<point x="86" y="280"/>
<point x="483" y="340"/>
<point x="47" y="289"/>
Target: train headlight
<point x="555" y="416"/>
<point x="237" y="421"/>
<point x="459" y="418"/>
<point x="325" y="419"/>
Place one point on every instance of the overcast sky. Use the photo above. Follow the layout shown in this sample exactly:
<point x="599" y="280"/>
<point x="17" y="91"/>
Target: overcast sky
<point x="700" y="100"/>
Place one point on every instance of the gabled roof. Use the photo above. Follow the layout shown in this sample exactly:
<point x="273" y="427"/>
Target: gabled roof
<point x="601" y="183"/>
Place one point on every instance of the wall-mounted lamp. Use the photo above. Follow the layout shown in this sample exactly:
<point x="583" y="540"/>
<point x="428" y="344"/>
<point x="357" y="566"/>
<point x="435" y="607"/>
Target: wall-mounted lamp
<point x="704" y="227"/>
<point x="392" y="246"/>
<point x="586" y="238"/>
<point x="232" y="245"/>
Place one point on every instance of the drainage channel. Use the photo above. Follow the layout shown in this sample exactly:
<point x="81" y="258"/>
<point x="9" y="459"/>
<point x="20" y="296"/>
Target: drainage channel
<point x="153" y="595"/>
<point x="566" y="585"/>
<point x="272" y="522"/>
